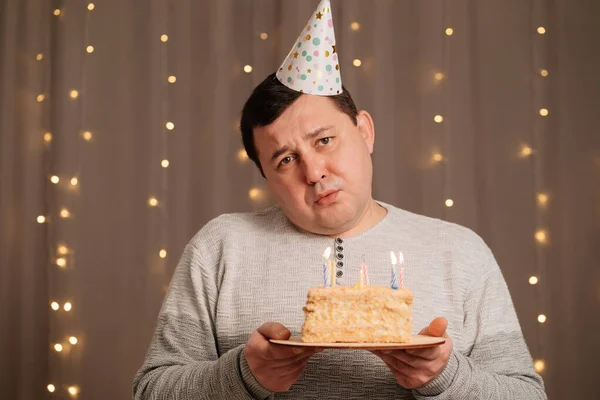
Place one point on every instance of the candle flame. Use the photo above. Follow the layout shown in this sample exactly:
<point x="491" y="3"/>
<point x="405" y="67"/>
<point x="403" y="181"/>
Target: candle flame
<point x="327" y="253"/>
<point x="393" y="258"/>
<point x="401" y="256"/>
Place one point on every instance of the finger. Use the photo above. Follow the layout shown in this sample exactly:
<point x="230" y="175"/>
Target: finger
<point x="265" y="350"/>
<point x="428" y="354"/>
<point x="409" y="359"/>
<point x="436" y="328"/>
<point x="279" y="363"/>
<point x="294" y="368"/>
<point x="274" y="330"/>
<point x="396" y="364"/>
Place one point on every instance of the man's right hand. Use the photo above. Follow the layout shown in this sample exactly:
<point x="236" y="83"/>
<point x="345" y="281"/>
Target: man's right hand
<point x="275" y="367"/>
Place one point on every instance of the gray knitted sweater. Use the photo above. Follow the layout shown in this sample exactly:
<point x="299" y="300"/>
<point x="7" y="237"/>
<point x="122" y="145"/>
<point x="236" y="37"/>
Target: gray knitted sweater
<point x="242" y="270"/>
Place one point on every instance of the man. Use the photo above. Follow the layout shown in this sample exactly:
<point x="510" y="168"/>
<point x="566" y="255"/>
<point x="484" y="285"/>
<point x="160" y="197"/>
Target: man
<point x="243" y="279"/>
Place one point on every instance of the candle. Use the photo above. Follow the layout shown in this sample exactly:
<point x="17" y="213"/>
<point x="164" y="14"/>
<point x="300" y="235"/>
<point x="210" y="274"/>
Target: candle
<point x="332" y="268"/>
<point x="364" y="272"/>
<point x="394" y="262"/>
<point x="326" y="267"/>
<point x="401" y="256"/>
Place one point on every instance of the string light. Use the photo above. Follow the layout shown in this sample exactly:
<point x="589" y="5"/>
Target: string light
<point x="533" y="280"/>
<point x="74" y="181"/>
<point x="64" y="213"/>
<point x="73" y="390"/>
<point x="51" y="388"/>
<point x="89" y="49"/>
<point x="41" y="219"/>
<point x="162" y="253"/>
<point x="542" y="199"/>
<point x="255" y="194"/>
<point x="541" y="318"/>
<point x="170" y="126"/>
<point x="264" y="36"/>
<point x="543" y="112"/>
<point x="357" y="62"/>
<point x="438" y="76"/>
<point x="242" y="156"/>
<point x="449" y="31"/>
<point x="91" y="6"/>
<point x="164" y="38"/>
<point x="438" y="119"/>
<point x="437" y="157"/>
<point x="526" y="151"/>
<point x="544" y="72"/>
<point x="61" y="262"/>
<point x="73" y="340"/>
<point x="172" y="79"/>
<point x="539" y="366"/>
<point x="54" y="179"/>
<point x="541" y="236"/>
<point x="47" y="137"/>
<point x="55" y="306"/>
<point x="74" y="94"/>
<point x="58" y="347"/>
<point x="541" y="30"/>
<point x="62" y="250"/>
<point x="152" y="201"/>
<point x="449" y="203"/>
<point x="67" y="306"/>
<point x="355" y="26"/>
<point x="87" y="136"/>
<point x="56" y="12"/>
<point x="247" y="68"/>
<point x="164" y="163"/>
<point x="39" y="57"/>
<point x="40" y="98"/>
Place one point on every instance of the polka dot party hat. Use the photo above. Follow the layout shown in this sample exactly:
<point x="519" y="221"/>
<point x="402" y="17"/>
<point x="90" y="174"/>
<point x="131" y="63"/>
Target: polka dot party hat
<point x="312" y="65"/>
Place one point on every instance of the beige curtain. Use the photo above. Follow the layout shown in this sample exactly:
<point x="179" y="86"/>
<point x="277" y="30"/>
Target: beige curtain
<point x="492" y="154"/>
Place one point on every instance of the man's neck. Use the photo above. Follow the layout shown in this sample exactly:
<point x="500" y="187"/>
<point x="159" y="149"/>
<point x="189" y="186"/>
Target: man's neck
<point x="372" y="215"/>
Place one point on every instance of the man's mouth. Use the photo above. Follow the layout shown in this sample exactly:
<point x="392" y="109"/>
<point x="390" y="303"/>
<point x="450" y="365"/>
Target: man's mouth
<point x="327" y="197"/>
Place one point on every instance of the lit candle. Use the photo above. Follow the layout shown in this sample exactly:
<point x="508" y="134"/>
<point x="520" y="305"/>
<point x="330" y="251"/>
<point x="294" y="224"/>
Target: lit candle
<point x="394" y="262"/>
<point x="401" y="256"/>
<point x="326" y="266"/>
<point x="332" y="266"/>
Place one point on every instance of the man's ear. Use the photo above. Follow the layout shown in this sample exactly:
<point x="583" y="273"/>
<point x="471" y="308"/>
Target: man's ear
<point x="366" y="127"/>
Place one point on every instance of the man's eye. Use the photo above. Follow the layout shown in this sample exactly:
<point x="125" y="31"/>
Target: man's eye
<point x="286" y="160"/>
<point x="325" y="140"/>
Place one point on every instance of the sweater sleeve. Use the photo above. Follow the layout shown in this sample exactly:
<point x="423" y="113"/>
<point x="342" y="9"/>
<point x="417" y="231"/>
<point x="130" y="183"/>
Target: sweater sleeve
<point x="183" y="361"/>
<point x="499" y="365"/>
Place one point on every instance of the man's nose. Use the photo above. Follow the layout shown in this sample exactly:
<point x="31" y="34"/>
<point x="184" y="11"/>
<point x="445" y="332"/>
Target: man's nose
<point x="314" y="168"/>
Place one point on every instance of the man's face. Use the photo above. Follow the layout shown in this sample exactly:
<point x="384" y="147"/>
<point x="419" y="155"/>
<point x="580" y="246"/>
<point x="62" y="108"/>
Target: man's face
<point x="318" y="164"/>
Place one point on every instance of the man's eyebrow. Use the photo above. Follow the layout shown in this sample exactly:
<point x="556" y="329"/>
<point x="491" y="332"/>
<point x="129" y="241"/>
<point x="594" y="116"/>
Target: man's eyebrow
<point x="308" y="136"/>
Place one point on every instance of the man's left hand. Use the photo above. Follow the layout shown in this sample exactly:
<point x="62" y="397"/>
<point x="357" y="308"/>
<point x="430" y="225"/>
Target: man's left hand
<point x="413" y="368"/>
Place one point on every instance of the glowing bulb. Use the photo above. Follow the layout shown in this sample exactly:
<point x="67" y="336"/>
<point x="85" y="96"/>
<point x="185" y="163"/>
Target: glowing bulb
<point x="91" y="6"/>
<point x="439" y="76"/>
<point x="544" y="73"/>
<point x="526" y="151"/>
<point x="67" y="306"/>
<point x="39" y="57"/>
<point x="64" y="213"/>
<point x="449" y="31"/>
<point x="242" y="155"/>
<point x="541" y="30"/>
<point x="73" y="340"/>
<point x="539" y="366"/>
<point x="264" y="36"/>
<point x="533" y="280"/>
<point x="62" y="249"/>
<point x="162" y="253"/>
<point x="40" y="98"/>
<point x="54" y="305"/>
<point x="58" y="347"/>
<point x="541" y="236"/>
<point x="61" y="262"/>
<point x="247" y="68"/>
<point x="541" y="318"/>
<point x="255" y="194"/>
<point x="355" y="26"/>
<point x="73" y="390"/>
<point x="74" y="94"/>
<point x="56" y="12"/>
<point x="437" y="157"/>
<point x="170" y="126"/>
<point x="87" y="136"/>
<point x="47" y="137"/>
<point x="544" y="112"/>
<point x="89" y="49"/>
<point x="51" y="388"/>
<point x="449" y="203"/>
<point x="542" y="199"/>
<point x="164" y="163"/>
<point x="54" y="179"/>
<point x="41" y="219"/>
<point x="172" y="79"/>
<point x="164" y="38"/>
<point x="438" y="119"/>
<point x="152" y="201"/>
<point x="357" y="62"/>
<point x="74" y="181"/>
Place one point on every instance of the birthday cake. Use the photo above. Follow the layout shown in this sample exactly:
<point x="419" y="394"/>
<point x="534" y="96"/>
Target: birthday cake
<point x="358" y="314"/>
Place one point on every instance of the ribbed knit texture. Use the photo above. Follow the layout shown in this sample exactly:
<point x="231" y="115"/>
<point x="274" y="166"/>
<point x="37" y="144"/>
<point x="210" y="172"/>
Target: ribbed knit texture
<point x="242" y="270"/>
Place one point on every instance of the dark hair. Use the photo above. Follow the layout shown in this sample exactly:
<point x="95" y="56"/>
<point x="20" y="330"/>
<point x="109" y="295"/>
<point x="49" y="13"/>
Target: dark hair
<point x="269" y="100"/>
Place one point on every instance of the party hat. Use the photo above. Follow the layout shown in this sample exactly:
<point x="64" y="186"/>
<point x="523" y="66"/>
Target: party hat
<point x="312" y="65"/>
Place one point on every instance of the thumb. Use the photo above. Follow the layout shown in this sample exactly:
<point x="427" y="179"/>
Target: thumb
<point x="436" y="328"/>
<point x="274" y="330"/>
